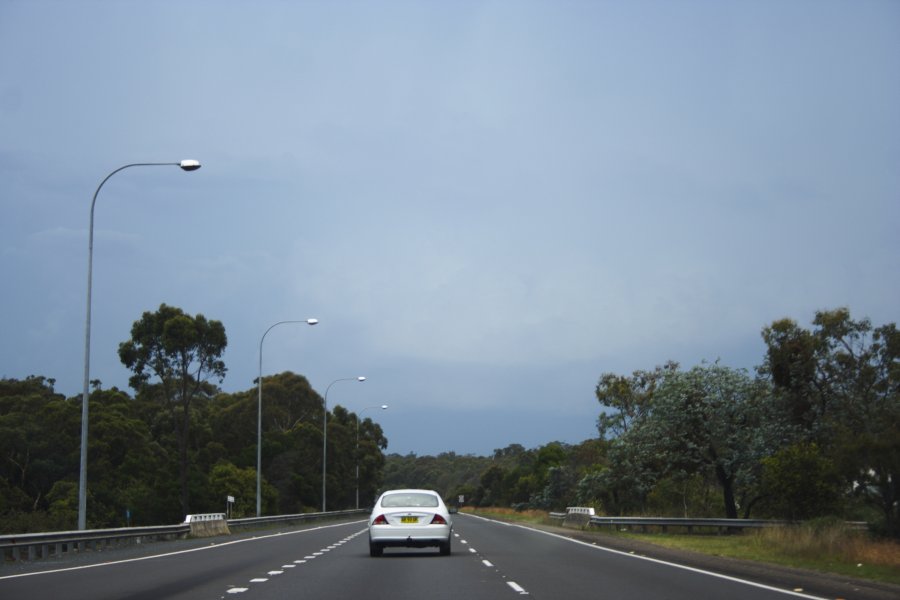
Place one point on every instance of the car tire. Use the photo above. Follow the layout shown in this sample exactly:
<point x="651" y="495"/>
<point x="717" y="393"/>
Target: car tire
<point x="375" y="550"/>
<point x="445" y="548"/>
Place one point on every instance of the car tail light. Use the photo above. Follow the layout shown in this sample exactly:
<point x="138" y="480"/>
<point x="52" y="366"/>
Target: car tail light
<point x="438" y="520"/>
<point x="380" y="520"/>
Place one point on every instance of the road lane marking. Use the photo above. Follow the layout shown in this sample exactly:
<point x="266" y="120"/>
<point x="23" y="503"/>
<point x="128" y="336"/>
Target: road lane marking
<point x="655" y="560"/>
<point x="518" y="588"/>
<point x="258" y="580"/>
<point x="177" y="552"/>
<point x="487" y="563"/>
<point x="237" y="590"/>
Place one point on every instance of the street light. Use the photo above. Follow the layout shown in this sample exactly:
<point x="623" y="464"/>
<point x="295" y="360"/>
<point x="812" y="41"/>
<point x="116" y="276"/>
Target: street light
<point x="382" y="407"/>
<point x="259" y="413"/>
<point x="325" y="430"/>
<point x="187" y="165"/>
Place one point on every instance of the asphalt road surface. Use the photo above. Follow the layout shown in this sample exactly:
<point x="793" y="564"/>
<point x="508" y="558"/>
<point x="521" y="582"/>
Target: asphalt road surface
<point x="490" y="560"/>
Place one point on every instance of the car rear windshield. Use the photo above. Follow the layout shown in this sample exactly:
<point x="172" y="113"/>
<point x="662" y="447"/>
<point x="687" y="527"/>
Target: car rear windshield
<point x="410" y="499"/>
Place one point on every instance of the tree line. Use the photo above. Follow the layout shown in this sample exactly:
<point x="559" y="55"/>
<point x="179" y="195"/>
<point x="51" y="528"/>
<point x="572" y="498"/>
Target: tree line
<point x="814" y="432"/>
<point x="178" y="444"/>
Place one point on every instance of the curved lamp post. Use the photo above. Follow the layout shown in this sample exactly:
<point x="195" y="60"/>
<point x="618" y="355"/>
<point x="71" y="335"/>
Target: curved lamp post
<point x="382" y="407"/>
<point x="325" y="430"/>
<point x="187" y="165"/>
<point x="259" y="414"/>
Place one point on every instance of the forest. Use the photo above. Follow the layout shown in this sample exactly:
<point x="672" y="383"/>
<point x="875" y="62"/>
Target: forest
<point x="813" y="432"/>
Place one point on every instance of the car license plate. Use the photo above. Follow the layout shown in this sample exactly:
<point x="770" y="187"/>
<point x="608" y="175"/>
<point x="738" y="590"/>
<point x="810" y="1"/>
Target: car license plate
<point x="409" y="519"/>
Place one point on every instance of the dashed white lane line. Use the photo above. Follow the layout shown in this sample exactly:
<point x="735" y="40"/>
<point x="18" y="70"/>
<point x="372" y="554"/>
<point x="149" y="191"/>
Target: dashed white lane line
<point x="487" y="563"/>
<point x="517" y="588"/>
<point x="239" y="590"/>
<point x="472" y="550"/>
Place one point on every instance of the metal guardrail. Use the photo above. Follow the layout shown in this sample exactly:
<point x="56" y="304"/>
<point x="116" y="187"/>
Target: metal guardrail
<point x="690" y="524"/>
<point x="255" y="521"/>
<point x="31" y="546"/>
<point x="664" y="523"/>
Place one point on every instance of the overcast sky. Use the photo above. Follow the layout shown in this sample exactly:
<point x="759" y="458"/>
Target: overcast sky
<point x="487" y="205"/>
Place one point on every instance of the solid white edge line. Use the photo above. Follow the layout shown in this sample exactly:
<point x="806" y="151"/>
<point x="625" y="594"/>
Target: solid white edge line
<point x="656" y="560"/>
<point x="177" y="552"/>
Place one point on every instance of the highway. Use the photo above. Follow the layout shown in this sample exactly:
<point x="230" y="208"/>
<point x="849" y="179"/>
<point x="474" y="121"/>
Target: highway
<point x="490" y="560"/>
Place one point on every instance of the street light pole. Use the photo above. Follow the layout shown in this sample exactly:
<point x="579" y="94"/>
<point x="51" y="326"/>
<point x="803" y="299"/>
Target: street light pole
<point x="325" y="430"/>
<point x="259" y="415"/>
<point x="186" y="165"/>
<point x="382" y="407"/>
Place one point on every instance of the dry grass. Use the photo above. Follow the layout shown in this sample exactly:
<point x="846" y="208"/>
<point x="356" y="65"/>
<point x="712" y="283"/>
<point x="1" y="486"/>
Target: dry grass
<point x="831" y="542"/>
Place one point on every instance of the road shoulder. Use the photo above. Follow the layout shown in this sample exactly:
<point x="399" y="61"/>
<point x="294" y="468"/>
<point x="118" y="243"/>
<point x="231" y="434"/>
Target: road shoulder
<point x="810" y="582"/>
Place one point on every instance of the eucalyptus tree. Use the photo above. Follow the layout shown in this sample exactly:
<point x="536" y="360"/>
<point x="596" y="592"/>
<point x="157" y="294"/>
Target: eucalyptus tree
<point x="38" y="430"/>
<point x="839" y="382"/>
<point x="717" y="419"/>
<point x="172" y="355"/>
<point x="710" y="421"/>
<point x="627" y="398"/>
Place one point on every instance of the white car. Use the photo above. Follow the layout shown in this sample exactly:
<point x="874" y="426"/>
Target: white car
<point x="410" y="519"/>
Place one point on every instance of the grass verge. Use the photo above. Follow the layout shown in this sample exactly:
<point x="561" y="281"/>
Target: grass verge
<point x="825" y="547"/>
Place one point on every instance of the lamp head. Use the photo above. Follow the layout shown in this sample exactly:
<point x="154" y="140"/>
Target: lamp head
<point x="384" y="407"/>
<point x="312" y="321"/>
<point x="189" y="165"/>
<point x="360" y="378"/>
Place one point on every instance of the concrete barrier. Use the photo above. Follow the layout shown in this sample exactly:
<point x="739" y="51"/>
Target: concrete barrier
<point x="578" y="516"/>
<point x="208" y="525"/>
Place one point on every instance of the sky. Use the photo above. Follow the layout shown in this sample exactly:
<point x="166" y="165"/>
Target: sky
<point x="486" y="205"/>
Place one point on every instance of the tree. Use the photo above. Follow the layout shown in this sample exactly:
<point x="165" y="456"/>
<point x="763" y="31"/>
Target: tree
<point x="492" y="491"/>
<point x="709" y="420"/>
<point x="126" y="468"/>
<point x="800" y="483"/>
<point x="370" y="456"/>
<point x="182" y="353"/>
<point x="840" y="382"/>
<point x="225" y="480"/>
<point x="38" y="441"/>
<point x="630" y="398"/>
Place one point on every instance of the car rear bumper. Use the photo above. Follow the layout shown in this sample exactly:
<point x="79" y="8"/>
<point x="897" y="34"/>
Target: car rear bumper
<point x="411" y="537"/>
